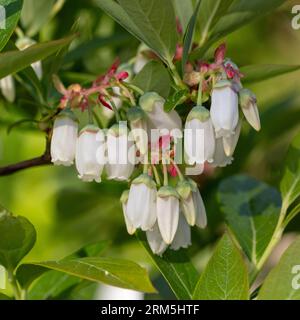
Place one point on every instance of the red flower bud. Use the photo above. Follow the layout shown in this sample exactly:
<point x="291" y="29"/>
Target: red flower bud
<point x="220" y="53"/>
<point x="104" y="102"/>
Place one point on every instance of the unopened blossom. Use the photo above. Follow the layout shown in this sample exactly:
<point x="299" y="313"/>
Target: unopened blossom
<point x="198" y="125"/>
<point x="182" y="237"/>
<point x="124" y="201"/>
<point x="141" y="206"/>
<point x="248" y="105"/>
<point x="153" y="104"/>
<point x="120" y="153"/>
<point x="224" y="108"/>
<point x="220" y="157"/>
<point x="191" y="203"/>
<point x="230" y="142"/>
<point x="90" y="153"/>
<point x="138" y="125"/>
<point x="167" y="212"/>
<point x="24" y="43"/>
<point x="155" y="241"/>
<point x="64" y="137"/>
<point x="7" y="86"/>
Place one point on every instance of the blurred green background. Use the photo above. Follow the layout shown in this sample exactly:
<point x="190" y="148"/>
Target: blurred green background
<point x="68" y="213"/>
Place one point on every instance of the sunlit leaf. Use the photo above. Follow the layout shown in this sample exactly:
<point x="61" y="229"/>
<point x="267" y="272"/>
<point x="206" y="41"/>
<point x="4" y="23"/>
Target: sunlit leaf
<point x="115" y="272"/>
<point x="283" y="282"/>
<point x="226" y="276"/>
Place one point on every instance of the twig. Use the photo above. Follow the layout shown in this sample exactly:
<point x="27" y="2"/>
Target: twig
<point x="44" y="159"/>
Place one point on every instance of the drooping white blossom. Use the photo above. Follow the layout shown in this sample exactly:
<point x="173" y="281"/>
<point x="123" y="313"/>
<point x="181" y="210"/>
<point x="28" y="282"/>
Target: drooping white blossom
<point x="192" y="205"/>
<point x="138" y="125"/>
<point x="153" y="104"/>
<point x="182" y="237"/>
<point x="24" y="43"/>
<point x="140" y="60"/>
<point x="224" y="109"/>
<point x="90" y="153"/>
<point x="167" y="212"/>
<point x="155" y="241"/>
<point x="124" y="201"/>
<point x="64" y="137"/>
<point x="248" y="105"/>
<point x="220" y="157"/>
<point x="7" y="86"/>
<point x="141" y="206"/>
<point x="199" y="136"/>
<point x="120" y="153"/>
<point x="230" y="142"/>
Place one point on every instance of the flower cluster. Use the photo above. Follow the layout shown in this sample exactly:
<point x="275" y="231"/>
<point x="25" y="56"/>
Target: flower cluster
<point x="143" y="142"/>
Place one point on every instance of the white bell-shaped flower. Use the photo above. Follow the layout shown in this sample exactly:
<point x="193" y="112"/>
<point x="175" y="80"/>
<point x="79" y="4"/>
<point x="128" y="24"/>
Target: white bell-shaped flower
<point x="24" y="43"/>
<point x="64" y="137"/>
<point x="141" y="206"/>
<point x="201" y="217"/>
<point x="138" y="125"/>
<point x="191" y="203"/>
<point x="124" y="201"/>
<point x="182" y="237"/>
<point x="230" y="142"/>
<point x="248" y="104"/>
<point x="120" y="153"/>
<point x="167" y="212"/>
<point x="220" y="157"/>
<point x="90" y="153"/>
<point x="7" y="86"/>
<point x="199" y="136"/>
<point x="157" y="118"/>
<point x="155" y="241"/>
<point x="224" y="109"/>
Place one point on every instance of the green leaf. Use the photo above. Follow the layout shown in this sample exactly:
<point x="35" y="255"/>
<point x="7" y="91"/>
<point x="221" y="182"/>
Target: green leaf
<point x="210" y="13"/>
<point x="28" y="73"/>
<point x="14" y="61"/>
<point x="240" y="13"/>
<point x="86" y="48"/>
<point x="283" y="282"/>
<point x="115" y="272"/>
<point x="156" y="23"/>
<point x="114" y="10"/>
<point x="174" y="100"/>
<point x="225" y="276"/>
<point x="251" y="210"/>
<point x="255" y="73"/>
<point x="189" y="35"/>
<point x="290" y="183"/>
<point x="4" y="297"/>
<point x="176" y="268"/>
<point x="184" y="11"/>
<point x="154" y="77"/>
<point x="12" y="14"/>
<point x="27" y="273"/>
<point x="18" y="236"/>
<point x="35" y="14"/>
<point x="51" y="284"/>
